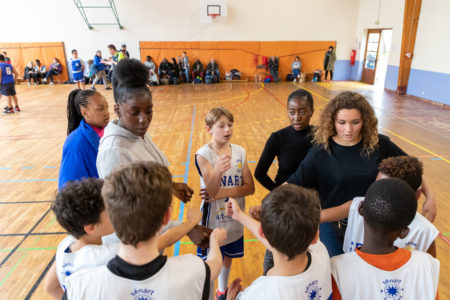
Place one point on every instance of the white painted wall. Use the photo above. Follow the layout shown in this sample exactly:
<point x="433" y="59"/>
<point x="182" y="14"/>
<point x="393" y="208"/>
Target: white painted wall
<point x="432" y="46"/>
<point x="179" y="20"/>
<point x="389" y="14"/>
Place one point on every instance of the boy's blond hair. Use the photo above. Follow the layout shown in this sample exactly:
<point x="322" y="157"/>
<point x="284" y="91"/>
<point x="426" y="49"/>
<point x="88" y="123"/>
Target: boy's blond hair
<point x="214" y="115"/>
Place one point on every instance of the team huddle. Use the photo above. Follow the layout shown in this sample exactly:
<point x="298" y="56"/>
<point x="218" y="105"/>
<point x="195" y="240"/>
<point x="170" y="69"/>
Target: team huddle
<point x="359" y="188"/>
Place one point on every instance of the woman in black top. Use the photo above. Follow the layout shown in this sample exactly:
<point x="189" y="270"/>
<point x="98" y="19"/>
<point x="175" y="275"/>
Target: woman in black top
<point x="290" y="145"/>
<point x="344" y="161"/>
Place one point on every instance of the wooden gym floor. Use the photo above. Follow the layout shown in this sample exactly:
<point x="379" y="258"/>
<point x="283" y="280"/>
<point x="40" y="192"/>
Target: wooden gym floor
<point x="31" y="143"/>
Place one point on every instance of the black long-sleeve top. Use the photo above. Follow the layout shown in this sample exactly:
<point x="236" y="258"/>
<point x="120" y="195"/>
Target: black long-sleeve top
<point x="343" y="172"/>
<point x="290" y="147"/>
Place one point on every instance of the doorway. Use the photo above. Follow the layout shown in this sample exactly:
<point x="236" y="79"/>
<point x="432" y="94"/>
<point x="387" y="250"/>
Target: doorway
<point x="378" y="44"/>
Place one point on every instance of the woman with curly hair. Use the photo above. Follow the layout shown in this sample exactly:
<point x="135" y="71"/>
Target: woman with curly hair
<point x="344" y="162"/>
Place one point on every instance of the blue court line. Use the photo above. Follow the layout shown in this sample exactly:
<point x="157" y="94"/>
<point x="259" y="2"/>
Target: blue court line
<point x="49" y="167"/>
<point x="176" y="250"/>
<point x="27" y="168"/>
<point x="5" y="168"/>
<point x="26" y="202"/>
<point x="436" y="158"/>
<point x="177" y="176"/>
<point x="27" y="180"/>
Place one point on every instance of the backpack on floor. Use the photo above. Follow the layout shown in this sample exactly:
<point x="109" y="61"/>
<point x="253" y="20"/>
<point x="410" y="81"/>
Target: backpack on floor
<point x="165" y="81"/>
<point x="215" y="79"/>
<point x="175" y="80"/>
<point x="290" y="77"/>
<point x="197" y="80"/>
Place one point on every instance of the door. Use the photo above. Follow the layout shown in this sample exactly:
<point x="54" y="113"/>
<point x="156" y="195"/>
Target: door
<point x="371" y="55"/>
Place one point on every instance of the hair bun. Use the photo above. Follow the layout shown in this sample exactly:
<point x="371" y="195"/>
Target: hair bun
<point x="131" y="73"/>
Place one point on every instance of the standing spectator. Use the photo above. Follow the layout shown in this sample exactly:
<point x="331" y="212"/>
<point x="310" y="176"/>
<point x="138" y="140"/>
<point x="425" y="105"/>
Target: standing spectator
<point x="185" y="65"/>
<point x="7" y="59"/>
<point x="273" y="68"/>
<point x="29" y="73"/>
<point x="164" y="67"/>
<point x="197" y="69"/>
<point x="55" y="69"/>
<point x="124" y="51"/>
<point x="296" y="68"/>
<point x="114" y="59"/>
<point x="89" y="71"/>
<point x="77" y="70"/>
<point x="212" y="68"/>
<point x="40" y="70"/>
<point x="99" y="66"/>
<point x="328" y="62"/>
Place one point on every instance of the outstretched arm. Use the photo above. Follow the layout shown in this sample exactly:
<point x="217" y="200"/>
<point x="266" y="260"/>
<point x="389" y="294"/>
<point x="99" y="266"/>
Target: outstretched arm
<point x="234" y="211"/>
<point x="247" y="187"/>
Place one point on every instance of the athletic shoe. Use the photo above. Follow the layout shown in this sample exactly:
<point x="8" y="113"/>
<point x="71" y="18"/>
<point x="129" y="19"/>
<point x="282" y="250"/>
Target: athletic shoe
<point x="44" y="80"/>
<point x="16" y="108"/>
<point x="108" y="88"/>
<point x="10" y="110"/>
<point x="5" y="108"/>
<point x="221" y="295"/>
<point x="51" y="83"/>
<point x="93" y="88"/>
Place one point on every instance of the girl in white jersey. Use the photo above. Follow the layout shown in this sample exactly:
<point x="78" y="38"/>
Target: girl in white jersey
<point x="379" y="270"/>
<point x="224" y="173"/>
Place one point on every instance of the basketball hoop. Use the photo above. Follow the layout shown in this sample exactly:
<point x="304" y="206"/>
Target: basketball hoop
<point x="213" y="16"/>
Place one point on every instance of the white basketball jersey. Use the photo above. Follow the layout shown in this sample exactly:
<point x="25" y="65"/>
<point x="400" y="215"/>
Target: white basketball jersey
<point x="182" y="277"/>
<point x="217" y="216"/>
<point x="314" y="283"/>
<point x="421" y="234"/>
<point x="68" y="263"/>
<point x="416" y="279"/>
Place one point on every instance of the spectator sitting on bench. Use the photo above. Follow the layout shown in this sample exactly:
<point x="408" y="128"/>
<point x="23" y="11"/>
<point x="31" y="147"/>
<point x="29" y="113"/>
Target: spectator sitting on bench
<point x="30" y="73"/>
<point x="164" y="67"/>
<point x="197" y="69"/>
<point x="55" y="69"/>
<point x="40" y="70"/>
<point x="212" y="68"/>
<point x="296" y="67"/>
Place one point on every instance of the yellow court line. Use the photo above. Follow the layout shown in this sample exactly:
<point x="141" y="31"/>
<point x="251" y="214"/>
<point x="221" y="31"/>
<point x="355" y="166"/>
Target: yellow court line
<point x="391" y="132"/>
<point x="414" y="144"/>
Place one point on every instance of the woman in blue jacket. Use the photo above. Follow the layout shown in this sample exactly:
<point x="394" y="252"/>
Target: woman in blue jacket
<point x="99" y="66"/>
<point x="87" y="114"/>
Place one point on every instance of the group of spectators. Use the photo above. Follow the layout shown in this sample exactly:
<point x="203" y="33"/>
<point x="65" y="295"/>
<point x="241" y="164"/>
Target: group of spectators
<point x="39" y="72"/>
<point x="175" y="71"/>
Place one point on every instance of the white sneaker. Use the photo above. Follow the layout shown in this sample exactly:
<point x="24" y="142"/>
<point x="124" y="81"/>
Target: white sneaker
<point x="295" y="80"/>
<point x="29" y="84"/>
<point x="51" y="83"/>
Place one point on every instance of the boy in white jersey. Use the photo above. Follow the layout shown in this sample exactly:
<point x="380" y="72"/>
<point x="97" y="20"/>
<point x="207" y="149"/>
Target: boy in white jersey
<point x="422" y="233"/>
<point x="80" y="210"/>
<point x="77" y="69"/>
<point x="379" y="270"/>
<point x="289" y="229"/>
<point x="224" y="173"/>
<point x="138" y="198"/>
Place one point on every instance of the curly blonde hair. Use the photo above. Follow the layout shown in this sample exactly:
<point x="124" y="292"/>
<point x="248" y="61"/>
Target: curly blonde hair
<point x="348" y="100"/>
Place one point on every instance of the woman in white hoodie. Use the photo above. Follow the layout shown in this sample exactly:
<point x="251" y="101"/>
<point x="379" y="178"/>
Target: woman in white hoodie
<point x="126" y="139"/>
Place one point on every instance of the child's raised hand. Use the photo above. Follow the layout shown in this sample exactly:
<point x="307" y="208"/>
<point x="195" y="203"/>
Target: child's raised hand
<point x="194" y="215"/>
<point x="200" y="236"/>
<point x="219" y="235"/>
<point x="182" y="191"/>
<point x="223" y="163"/>
<point x="233" y="209"/>
<point x="255" y="212"/>
<point x="235" y="289"/>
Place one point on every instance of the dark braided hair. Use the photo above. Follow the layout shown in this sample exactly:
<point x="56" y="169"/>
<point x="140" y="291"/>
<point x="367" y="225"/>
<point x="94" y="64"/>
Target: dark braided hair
<point x="77" y="98"/>
<point x="130" y="78"/>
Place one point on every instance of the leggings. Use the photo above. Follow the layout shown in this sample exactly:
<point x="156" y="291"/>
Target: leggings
<point x="331" y="74"/>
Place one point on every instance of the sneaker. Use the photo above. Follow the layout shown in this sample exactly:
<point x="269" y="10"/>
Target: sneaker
<point x="29" y="83"/>
<point x="16" y="108"/>
<point x="108" y="88"/>
<point x="51" y="83"/>
<point x="44" y="80"/>
<point x="93" y="88"/>
<point x="221" y="295"/>
<point x="5" y="108"/>
<point x="10" y="110"/>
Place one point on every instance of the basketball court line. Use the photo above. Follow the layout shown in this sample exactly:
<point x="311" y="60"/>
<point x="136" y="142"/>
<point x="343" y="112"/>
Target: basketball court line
<point x="39" y="280"/>
<point x="176" y="250"/>
<point x="31" y="234"/>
